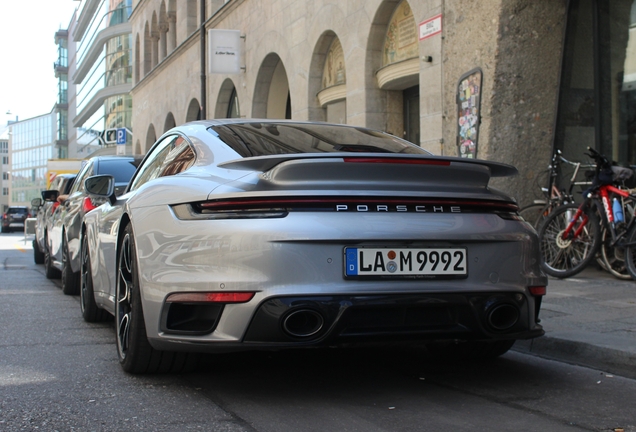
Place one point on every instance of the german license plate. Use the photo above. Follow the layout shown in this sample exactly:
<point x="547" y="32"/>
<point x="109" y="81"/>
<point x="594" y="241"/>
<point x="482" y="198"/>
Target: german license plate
<point x="430" y="262"/>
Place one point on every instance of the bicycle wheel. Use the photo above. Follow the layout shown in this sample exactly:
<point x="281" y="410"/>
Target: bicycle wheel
<point x="563" y="258"/>
<point x="613" y="258"/>
<point x="630" y="253"/>
<point x="533" y="213"/>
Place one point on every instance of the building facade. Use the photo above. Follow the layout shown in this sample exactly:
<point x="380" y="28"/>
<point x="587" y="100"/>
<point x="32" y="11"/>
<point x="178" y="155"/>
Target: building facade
<point x="60" y="108"/>
<point x="100" y="74"/>
<point x="5" y="172"/>
<point x="504" y="80"/>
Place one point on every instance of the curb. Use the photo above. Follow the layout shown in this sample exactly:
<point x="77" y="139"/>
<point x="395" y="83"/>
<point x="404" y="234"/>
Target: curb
<point x="582" y="353"/>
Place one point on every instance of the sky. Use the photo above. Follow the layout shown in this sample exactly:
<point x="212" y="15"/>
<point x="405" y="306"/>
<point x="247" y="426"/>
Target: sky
<point x="28" y="87"/>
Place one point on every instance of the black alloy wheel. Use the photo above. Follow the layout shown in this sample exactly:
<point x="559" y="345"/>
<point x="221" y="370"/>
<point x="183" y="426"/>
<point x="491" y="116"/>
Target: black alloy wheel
<point x="70" y="279"/>
<point x="136" y="355"/>
<point x="49" y="270"/>
<point x="38" y="255"/>
<point x="90" y="311"/>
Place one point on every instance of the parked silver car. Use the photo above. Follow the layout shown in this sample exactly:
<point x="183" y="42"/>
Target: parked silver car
<point x="61" y="184"/>
<point x="260" y="234"/>
<point x="62" y="251"/>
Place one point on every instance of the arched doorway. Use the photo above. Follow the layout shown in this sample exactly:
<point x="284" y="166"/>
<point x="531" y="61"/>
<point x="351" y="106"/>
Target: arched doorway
<point x="151" y="137"/>
<point x="194" y="111"/>
<point x="227" y="105"/>
<point x="271" y="94"/>
<point x="333" y="83"/>
<point x="169" y="123"/>
<point x="397" y="69"/>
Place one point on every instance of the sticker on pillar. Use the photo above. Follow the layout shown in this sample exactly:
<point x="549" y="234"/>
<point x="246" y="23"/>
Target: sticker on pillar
<point x="468" y="113"/>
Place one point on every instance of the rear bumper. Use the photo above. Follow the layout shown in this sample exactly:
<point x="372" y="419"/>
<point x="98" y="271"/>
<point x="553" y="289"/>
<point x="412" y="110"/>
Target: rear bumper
<point x="13" y="224"/>
<point x="343" y="320"/>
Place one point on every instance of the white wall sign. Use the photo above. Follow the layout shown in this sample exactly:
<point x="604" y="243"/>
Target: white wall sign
<point x="431" y="27"/>
<point x="224" y="51"/>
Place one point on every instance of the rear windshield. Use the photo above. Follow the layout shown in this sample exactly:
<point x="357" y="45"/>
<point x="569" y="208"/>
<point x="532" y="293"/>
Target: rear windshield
<point x="259" y="139"/>
<point x="14" y="210"/>
<point x="122" y="170"/>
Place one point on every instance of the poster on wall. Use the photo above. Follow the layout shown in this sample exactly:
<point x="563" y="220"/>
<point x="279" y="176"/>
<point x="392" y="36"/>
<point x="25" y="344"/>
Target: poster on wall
<point x="469" y="116"/>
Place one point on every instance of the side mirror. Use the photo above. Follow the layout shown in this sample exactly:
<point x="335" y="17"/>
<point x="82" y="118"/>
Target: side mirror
<point x="50" y="195"/>
<point x="101" y="186"/>
<point x="36" y="203"/>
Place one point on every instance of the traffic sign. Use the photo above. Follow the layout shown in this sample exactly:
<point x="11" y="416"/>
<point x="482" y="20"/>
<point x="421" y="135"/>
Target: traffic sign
<point x="121" y="135"/>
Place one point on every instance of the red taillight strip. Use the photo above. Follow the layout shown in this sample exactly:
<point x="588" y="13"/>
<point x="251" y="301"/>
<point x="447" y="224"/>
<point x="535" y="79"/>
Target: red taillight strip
<point x="210" y="297"/>
<point x="396" y="161"/>
<point x="283" y="202"/>
<point x="538" y="290"/>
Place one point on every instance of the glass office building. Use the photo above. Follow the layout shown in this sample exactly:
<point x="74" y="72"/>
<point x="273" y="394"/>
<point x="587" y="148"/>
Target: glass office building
<point x="32" y="145"/>
<point x="103" y="75"/>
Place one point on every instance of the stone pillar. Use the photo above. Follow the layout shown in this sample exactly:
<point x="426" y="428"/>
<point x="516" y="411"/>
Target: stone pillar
<point x="155" y="50"/>
<point x="163" y="43"/>
<point x="171" y="39"/>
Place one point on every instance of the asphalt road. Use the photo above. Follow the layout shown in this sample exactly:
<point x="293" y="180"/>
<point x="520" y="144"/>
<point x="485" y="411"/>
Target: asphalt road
<point x="58" y="373"/>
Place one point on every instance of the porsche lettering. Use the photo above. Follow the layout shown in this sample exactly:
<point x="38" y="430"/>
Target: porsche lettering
<point x="398" y="208"/>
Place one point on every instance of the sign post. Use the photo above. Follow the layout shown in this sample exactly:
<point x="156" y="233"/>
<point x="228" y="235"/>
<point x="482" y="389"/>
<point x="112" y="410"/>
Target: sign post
<point x="121" y="141"/>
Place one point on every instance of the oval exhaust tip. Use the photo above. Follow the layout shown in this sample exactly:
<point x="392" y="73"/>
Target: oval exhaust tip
<point x="303" y="323"/>
<point x="503" y="316"/>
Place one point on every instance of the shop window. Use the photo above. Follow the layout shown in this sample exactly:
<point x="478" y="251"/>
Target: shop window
<point x="597" y="98"/>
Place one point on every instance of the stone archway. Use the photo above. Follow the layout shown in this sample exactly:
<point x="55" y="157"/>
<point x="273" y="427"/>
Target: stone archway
<point x="151" y="137"/>
<point x="331" y="89"/>
<point x="194" y="111"/>
<point x="393" y="70"/>
<point x="169" y="123"/>
<point x="227" y="103"/>
<point x="271" y="93"/>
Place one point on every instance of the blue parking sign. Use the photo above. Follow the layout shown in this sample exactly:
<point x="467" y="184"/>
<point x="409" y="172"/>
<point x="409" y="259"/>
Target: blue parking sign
<point x="121" y="136"/>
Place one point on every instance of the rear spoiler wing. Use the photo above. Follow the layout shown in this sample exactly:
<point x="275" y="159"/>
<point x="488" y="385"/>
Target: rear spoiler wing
<point x="266" y="163"/>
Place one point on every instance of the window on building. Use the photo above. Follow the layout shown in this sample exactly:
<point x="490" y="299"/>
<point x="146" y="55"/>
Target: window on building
<point x="597" y="99"/>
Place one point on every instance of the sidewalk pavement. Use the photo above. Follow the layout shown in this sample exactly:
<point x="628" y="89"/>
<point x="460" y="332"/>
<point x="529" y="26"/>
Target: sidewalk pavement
<point x="589" y="320"/>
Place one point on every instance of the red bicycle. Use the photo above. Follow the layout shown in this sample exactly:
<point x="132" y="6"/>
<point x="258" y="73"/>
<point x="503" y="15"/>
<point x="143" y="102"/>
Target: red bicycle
<point x="572" y="234"/>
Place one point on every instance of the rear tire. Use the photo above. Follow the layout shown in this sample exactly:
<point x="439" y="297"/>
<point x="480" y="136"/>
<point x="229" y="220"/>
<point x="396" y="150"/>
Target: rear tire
<point x="136" y="355"/>
<point x="564" y="258"/>
<point x="38" y="255"/>
<point x="90" y="311"/>
<point x="70" y="279"/>
<point x="49" y="270"/>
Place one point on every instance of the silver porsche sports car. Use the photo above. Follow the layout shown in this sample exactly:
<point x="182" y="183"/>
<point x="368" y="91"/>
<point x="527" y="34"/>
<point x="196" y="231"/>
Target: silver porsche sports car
<point x="258" y="234"/>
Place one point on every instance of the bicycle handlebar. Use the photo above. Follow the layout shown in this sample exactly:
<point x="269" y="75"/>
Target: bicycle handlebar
<point x="601" y="161"/>
<point x="574" y="164"/>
